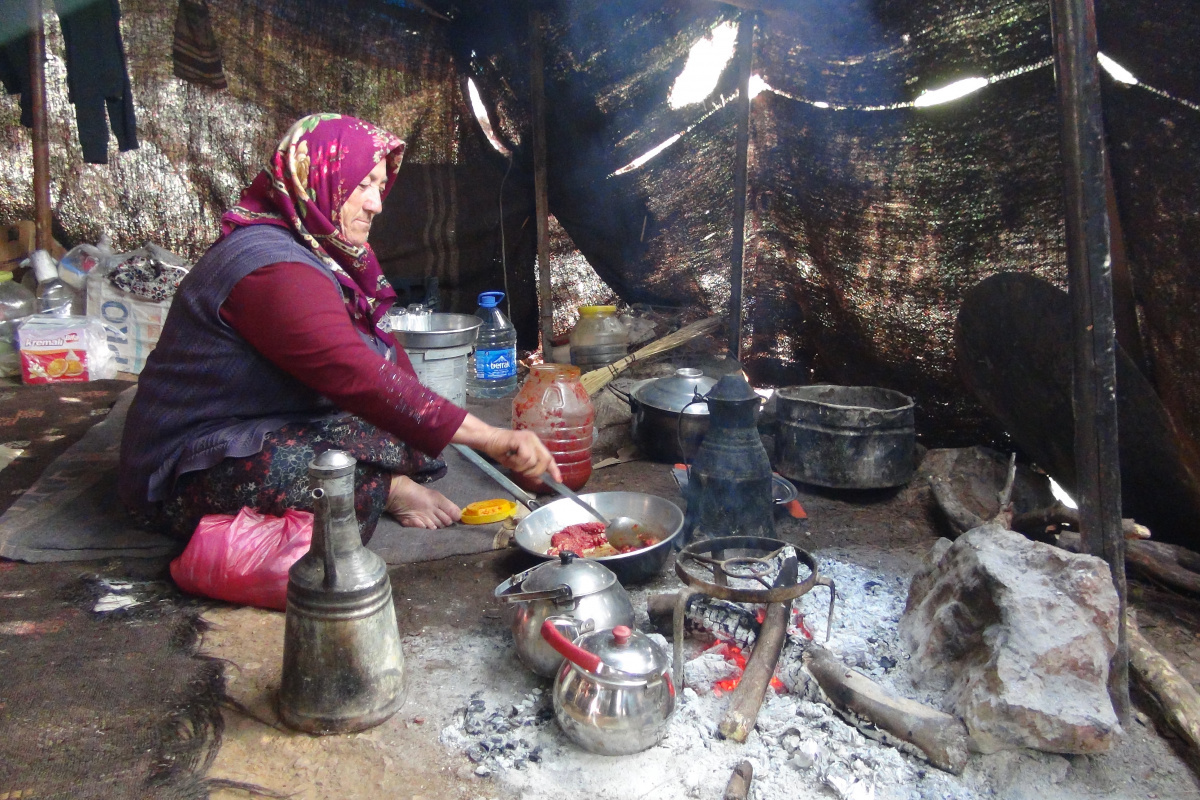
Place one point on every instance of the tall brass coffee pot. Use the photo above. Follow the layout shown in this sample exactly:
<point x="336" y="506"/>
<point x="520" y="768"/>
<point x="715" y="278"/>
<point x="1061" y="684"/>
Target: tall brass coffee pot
<point x="343" y="669"/>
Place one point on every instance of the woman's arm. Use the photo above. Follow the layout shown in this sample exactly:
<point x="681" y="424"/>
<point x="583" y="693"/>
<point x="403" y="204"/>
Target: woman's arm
<point x="520" y="451"/>
<point x="295" y="317"/>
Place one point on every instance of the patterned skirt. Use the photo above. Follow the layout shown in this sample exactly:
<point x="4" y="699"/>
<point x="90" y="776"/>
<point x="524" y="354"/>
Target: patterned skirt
<point x="276" y="478"/>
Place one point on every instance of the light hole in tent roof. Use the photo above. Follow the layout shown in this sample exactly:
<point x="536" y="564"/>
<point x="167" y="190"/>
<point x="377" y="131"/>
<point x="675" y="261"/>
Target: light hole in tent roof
<point x="1060" y="494"/>
<point x="951" y="92"/>
<point x="705" y="63"/>
<point x="649" y="154"/>
<point x="1116" y="71"/>
<point x="481" y="116"/>
<point x="758" y="86"/>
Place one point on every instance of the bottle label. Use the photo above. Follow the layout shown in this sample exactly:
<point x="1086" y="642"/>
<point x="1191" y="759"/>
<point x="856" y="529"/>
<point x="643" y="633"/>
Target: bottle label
<point x="491" y="365"/>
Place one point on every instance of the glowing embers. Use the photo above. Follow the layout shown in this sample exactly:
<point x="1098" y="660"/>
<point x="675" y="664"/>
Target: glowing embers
<point x="481" y="116"/>
<point x="706" y="61"/>
<point x="734" y="655"/>
<point x="954" y="91"/>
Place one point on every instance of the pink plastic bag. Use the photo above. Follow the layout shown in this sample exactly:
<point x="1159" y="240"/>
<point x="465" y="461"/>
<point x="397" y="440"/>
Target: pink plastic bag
<point x="244" y="558"/>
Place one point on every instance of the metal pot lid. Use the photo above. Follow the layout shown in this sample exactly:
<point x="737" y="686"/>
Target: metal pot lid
<point x="582" y="575"/>
<point x="627" y="650"/>
<point x="673" y="393"/>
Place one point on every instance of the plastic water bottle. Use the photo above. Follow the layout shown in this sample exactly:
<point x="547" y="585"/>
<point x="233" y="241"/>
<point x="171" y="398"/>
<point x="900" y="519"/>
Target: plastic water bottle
<point x="16" y="303"/>
<point x="53" y="296"/>
<point x="493" y="368"/>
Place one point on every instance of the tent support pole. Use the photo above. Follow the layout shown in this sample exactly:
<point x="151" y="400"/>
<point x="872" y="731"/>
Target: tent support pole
<point x="540" y="190"/>
<point x="744" y="58"/>
<point x="41" y="138"/>
<point x="1089" y="257"/>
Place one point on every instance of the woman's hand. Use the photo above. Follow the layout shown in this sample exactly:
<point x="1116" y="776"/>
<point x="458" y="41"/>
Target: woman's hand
<point x="520" y="451"/>
<point x="523" y="452"/>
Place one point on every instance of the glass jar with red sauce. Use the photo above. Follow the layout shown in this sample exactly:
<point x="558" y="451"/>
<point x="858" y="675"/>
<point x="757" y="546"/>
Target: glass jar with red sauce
<point x="553" y="404"/>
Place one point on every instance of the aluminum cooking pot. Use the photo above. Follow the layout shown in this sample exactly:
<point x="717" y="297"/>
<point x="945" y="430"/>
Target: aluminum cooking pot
<point x="578" y="593"/>
<point x="613" y="694"/>
<point x="656" y="407"/>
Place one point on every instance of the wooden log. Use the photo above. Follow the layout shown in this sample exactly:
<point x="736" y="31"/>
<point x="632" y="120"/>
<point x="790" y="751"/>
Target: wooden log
<point x="1168" y="564"/>
<point x="939" y="737"/>
<point x="961" y="518"/>
<point x="706" y="617"/>
<point x="1089" y="276"/>
<point x="744" y="62"/>
<point x="1176" y="699"/>
<point x="42" y="212"/>
<point x="747" y="698"/>
<point x="541" y="192"/>
<point x="738" y="787"/>
<point x="1036" y="521"/>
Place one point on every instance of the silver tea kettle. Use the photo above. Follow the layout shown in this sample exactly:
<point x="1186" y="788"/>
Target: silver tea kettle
<point x="613" y="694"/>
<point x="579" y="593"/>
<point x="343" y="669"/>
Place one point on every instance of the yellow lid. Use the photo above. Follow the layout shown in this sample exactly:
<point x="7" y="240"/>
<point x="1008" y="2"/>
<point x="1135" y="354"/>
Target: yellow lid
<point x="482" y="512"/>
<point x="5" y="275"/>
<point x="590" y="311"/>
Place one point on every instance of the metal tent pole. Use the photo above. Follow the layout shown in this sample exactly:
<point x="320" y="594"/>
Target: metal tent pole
<point x="1089" y="258"/>
<point x="41" y="138"/>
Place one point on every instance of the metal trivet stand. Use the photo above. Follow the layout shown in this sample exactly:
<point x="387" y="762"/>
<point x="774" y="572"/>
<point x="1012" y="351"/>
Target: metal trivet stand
<point x="755" y="558"/>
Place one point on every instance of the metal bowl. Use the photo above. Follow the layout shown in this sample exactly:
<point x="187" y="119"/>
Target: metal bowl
<point x="433" y="331"/>
<point x="655" y="513"/>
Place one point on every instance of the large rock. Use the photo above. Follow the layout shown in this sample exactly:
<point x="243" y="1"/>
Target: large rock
<point x="1019" y="635"/>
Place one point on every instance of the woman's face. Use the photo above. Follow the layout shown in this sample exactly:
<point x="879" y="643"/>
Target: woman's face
<point x="362" y="205"/>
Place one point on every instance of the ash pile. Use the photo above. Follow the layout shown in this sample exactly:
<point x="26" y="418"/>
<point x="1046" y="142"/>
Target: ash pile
<point x="888" y="659"/>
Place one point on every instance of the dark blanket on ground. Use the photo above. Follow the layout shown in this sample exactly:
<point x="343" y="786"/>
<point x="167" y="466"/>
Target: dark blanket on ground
<point x="71" y="512"/>
<point x="103" y="705"/>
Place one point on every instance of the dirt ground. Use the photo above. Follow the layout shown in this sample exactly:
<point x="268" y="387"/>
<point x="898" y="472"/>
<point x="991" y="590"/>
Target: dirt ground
<point x="885" y="531"/>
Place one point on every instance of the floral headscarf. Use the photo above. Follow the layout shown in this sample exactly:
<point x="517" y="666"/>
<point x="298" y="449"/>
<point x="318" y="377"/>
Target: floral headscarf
<point x="315" y="168"/>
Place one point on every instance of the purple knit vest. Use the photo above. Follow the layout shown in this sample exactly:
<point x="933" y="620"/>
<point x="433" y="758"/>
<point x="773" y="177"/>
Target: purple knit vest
<point x="205" y="394"/>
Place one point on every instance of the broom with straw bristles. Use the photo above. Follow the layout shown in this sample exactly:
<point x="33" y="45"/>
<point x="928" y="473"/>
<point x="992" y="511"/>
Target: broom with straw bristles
<point x="597" y="379"/>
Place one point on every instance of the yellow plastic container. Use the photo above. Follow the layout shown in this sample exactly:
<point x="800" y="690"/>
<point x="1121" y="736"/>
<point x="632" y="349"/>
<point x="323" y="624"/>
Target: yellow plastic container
<point x="482" y="512"/>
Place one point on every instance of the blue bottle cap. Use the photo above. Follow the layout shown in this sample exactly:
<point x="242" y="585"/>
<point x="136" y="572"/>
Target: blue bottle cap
<point x="490" y="299"/>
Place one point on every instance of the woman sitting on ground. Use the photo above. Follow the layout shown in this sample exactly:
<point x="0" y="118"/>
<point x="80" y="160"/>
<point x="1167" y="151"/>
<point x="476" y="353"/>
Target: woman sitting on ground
<point x="273" y="354"/>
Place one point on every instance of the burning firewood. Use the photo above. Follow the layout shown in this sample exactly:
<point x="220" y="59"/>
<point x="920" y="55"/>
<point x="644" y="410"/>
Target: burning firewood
<point x="747" y="698"/>
<point x="902" y="723"/>
<point x="706" y="618"/>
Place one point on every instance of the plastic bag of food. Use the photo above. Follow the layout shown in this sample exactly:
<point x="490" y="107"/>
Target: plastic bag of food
<point x="63" y="350"/>
<point x="244" y="558"/>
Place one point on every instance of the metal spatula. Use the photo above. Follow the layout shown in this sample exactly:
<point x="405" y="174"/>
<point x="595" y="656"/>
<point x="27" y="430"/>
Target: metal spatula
<point x="622" y="532"/>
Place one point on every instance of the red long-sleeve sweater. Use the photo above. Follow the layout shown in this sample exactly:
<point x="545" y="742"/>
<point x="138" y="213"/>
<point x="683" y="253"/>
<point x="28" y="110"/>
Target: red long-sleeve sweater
<point x="294" y="317"/>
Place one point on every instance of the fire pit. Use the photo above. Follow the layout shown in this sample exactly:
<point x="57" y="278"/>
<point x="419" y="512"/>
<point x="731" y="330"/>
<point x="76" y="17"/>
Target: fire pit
<point x="744" y="559"/>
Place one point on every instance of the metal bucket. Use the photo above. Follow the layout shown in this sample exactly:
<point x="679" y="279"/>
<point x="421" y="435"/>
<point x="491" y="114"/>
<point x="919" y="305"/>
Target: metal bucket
<point x="845" y="437"/>
<point x="438" y="345"/>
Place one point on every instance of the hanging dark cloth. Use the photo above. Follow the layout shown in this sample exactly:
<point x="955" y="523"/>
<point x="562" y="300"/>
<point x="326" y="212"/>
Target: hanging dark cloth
<point x="97" y="80"/>
<point x="195" y="51"/>
<point x="96" y="76"/>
